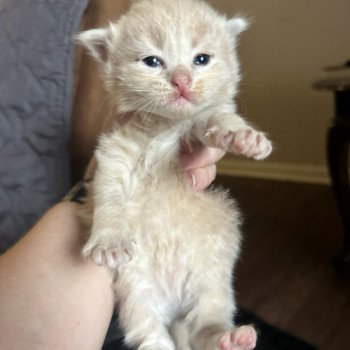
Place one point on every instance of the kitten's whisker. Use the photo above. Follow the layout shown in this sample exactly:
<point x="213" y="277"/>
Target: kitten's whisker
<point x="149" y="113"/>
<point x="145" y="102"/>
<point x="145" y="119"/>
<point x="138" y="104"/>
<point x="242" y="103"/>
<point x="109" y="96"/>
<point x="144" y="106"/>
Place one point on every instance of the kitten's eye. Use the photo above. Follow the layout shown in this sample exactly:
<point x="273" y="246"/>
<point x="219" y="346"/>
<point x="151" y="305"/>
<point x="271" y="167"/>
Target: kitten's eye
<point x="201" y="60"/>
<point x="153" y="61"/>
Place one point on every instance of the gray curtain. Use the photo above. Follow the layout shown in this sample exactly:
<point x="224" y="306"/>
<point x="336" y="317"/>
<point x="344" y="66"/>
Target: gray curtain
<point x="36" y="73"/>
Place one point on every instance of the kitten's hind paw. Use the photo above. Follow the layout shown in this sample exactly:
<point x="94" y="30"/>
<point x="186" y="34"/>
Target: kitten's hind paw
<point x="111" y="256"/>
<point x="246" y="141"/>
<point x="240" y="338"/>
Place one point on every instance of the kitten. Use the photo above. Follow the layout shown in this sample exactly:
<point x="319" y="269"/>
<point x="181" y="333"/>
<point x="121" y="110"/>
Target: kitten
<point x="170" y="66"/>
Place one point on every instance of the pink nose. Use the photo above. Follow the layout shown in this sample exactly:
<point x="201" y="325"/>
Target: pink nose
<point x="182" y="81"/>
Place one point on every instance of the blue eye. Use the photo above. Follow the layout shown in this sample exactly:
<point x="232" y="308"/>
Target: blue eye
<point x="201" y="60"/>
<point x="153" y="61"/>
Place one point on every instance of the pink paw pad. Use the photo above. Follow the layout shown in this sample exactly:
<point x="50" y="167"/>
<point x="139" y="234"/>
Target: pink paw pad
<point x="246" y="141"/>
<point x="109" y="255"/>
<point x="241" y="338"/>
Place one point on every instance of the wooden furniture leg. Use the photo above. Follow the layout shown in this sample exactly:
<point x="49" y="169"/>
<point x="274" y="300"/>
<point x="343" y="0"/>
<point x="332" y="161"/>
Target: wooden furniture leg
<point x="338" y="158"/>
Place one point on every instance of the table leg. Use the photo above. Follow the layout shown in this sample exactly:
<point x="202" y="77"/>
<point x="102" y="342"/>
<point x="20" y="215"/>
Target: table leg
<point x="338" y="160"/>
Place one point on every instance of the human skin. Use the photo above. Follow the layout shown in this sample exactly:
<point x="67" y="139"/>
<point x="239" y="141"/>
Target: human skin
<point x="50" y="297"/>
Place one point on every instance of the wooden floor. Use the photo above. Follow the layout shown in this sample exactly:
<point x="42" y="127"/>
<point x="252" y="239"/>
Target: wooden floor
<point x="285" y="274"/>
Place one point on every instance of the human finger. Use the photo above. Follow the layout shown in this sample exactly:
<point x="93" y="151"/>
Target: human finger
<point x="201" y="178"/>
<point x="201" y="157"/>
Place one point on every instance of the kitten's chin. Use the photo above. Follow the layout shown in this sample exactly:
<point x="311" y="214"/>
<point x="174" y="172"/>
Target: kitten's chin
<point x="180" y="103"/>
<point x="181" y="108"/>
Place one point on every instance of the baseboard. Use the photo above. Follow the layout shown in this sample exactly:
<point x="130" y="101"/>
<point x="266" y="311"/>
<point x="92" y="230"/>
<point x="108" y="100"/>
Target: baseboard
<point x="274" y="171"/>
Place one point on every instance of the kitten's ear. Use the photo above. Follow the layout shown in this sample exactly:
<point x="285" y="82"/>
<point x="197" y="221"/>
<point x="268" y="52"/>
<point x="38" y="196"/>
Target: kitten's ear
<point x="97" y="41"/>
<point x="237" y="25"/>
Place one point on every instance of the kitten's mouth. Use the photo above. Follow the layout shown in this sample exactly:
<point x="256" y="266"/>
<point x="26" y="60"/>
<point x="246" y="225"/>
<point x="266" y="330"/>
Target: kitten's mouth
<point x="181" y="100"/>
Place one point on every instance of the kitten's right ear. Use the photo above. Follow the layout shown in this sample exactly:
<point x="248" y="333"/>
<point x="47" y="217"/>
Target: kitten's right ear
<point x="97" y="42"/>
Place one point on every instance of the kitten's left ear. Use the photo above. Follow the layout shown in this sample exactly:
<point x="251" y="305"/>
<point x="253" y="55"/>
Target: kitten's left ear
<point x="237" y="25"/>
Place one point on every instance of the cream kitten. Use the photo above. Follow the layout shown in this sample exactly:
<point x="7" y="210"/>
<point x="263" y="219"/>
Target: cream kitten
<point x="170" y="66"/>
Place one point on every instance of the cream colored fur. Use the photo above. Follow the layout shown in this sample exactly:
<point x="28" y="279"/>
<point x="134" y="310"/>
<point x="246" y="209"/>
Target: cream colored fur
<point x="170" y="248"/>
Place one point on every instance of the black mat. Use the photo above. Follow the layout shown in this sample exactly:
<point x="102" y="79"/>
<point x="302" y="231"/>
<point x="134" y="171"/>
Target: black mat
<point x="269" y="337"/>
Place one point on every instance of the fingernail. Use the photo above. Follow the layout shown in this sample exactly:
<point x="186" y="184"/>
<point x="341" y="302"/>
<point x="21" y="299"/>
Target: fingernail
<point x="192" y="179"/>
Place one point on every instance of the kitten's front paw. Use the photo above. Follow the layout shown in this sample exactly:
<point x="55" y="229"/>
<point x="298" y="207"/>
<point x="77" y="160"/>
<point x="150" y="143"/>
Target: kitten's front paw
<point x="109" y="254"/>
<point x="240" y="338"/>
<point x="246" y="141"/>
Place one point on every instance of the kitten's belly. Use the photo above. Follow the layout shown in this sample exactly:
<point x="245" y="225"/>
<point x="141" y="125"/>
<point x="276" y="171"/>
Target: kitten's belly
<point x="174" y="219"/>
<point x="179" y="235"/>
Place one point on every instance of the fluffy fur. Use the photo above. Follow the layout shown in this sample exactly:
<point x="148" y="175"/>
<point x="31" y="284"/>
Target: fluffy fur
<point x="170" y="248"/>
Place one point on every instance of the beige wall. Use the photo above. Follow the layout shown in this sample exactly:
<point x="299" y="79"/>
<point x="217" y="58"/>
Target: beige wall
<point x="282" y="54"/>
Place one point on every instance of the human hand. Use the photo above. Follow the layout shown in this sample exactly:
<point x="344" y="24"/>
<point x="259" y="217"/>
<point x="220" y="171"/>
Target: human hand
<point x="199" y="163"/>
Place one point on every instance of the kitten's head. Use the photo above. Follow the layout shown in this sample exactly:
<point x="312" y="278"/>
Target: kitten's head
<point x="169" y="57"/>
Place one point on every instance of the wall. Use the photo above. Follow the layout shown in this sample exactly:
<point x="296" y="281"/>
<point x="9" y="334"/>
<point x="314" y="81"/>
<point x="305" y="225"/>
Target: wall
<point x="282" y="54"/>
